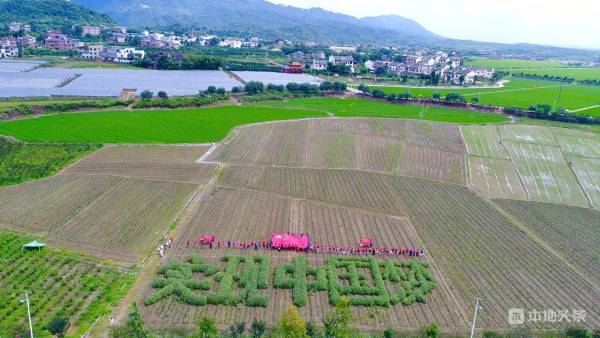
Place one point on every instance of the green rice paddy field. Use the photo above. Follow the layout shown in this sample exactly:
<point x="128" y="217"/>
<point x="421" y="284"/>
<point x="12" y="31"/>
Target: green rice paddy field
<point x="510" y="63"/>
<point x="367" y="108"/>
<point x="209" y="124"/>
<point x="575" y="73"/>
<point x="522" y="93"/>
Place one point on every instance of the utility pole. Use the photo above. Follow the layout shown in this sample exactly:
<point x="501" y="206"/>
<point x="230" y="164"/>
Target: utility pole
<point x="29" y="313"/>
<point x="558" y="97"/>
<point x="477" y="307"/>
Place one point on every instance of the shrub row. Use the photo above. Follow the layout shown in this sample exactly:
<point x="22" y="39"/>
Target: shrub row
<point x="180" y="102"/>
<point x="412" y="281"/>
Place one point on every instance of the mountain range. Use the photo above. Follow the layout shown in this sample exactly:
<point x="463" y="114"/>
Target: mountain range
<point x="263" y="19"/>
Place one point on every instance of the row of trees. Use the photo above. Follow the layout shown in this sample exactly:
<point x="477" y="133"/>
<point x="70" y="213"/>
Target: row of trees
<point x="187" y="62"/>
<point x="545" y="77"/>
<point x="338" y="323"/>
<point x="255" y="87"/>
<point x="544" y="112"/>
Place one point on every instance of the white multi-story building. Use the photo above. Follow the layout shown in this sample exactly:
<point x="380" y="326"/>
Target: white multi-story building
<point x="92" y="52"/>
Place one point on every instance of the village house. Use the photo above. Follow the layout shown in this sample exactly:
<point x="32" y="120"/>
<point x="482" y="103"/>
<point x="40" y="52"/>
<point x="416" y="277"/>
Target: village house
<point x="15" y="26"/>
<point x="90" y="31"/>
<point x="251" y="43"/>
<point x="411" y="59"/>
<point x="483" y="73"/>
<point x="463" y="76"/>
<point x="93" y="52"/>
<point x="121" y="54"/>
<point x="440" y="70"/>
<point x="151" y="42"/>
<point x="230" y="43"/>
<point x="318" y="55"/>
<point x="343" y="49"/>
<point x="455" y="62"/>
<point x="8" y="47"/>
<point x="342" y="60"/>
<point x="319" y="64"/>
<point x="298" y="56"/>
<point x="27" y="41"/>
<point x="58" y="41"/>
<point x="117" y="38"/>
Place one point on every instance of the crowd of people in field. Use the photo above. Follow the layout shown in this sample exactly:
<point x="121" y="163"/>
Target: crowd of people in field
<point x="162" y="247"/>
<point x="199" y="243"/>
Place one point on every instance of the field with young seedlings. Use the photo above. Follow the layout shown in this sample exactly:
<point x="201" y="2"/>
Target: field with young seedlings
<point x="573" y="231"/>
<point x="61" y="285"/>
<point x="537" y="163"/>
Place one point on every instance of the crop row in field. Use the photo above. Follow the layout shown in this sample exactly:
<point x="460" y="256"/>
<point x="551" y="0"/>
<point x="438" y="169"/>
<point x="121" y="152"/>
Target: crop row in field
<point x="573" y="231"/>
<point x="521" y="93"/>
<point x="534" y="162"/>
<point x="346" y="187"/>
<point x="61" y="285"/>
<point x="400" y="147"/>
<point x="486" y="256"/>
<point x="377" y="109"/>
<point x="366" y="281"/>
<point x="151" y="126"/>
<point x="23" y="162"/>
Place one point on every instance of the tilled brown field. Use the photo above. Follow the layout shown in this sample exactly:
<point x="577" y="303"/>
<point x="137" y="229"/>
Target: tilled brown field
<point x="126" y="221"/>
<point x="481" y="252"/>
<point x="407" y="148"/>
<point x="351" y="188"/>
<point x="159" y="163"/>
<point x="243" y="215"/>
<point x="573" y="231"/>
<point x="116" y="203"/>
<point x="42" y="206"/>
<point x="486" y="256"/>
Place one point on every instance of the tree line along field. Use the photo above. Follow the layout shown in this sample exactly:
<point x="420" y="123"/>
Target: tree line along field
<point x="95" y="207"/>
<point x="537" y="163"/>
<point x="521" y="93"/>
<point x="409" y="148"/>
<point x="21" y="162"/>
<point x="62" y="285"/>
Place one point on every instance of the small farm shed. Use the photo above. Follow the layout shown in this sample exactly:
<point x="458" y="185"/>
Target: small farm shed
<point x="33" y="245"/>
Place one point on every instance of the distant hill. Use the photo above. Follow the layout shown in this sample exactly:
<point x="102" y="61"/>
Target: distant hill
<point x="399" y="24"/>
<point x="49" y="14"/>
<point x="261" y="18"/>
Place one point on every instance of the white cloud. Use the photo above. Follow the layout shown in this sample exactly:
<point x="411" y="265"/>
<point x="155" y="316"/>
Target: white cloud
<point x="573" y="23"/>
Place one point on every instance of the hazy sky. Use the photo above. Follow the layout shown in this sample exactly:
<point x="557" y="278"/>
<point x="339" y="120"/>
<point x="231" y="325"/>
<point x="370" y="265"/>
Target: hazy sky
<point x="573" y="23"/>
